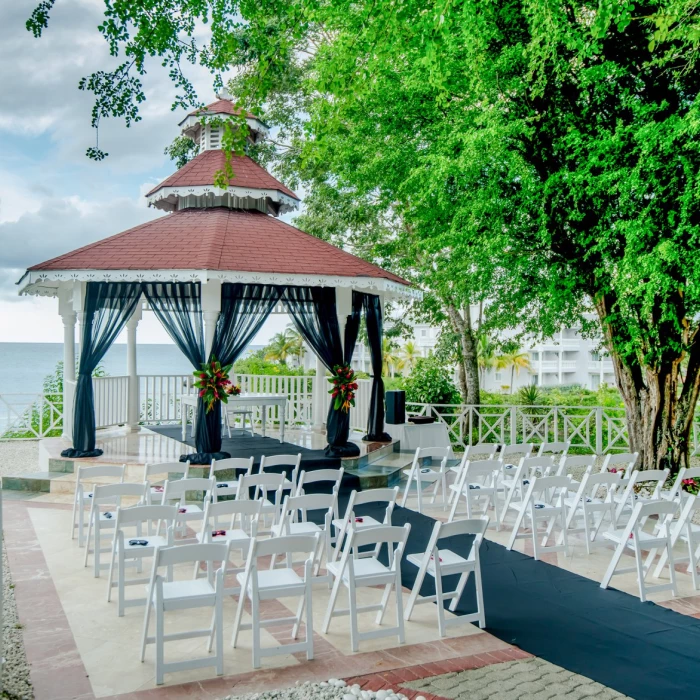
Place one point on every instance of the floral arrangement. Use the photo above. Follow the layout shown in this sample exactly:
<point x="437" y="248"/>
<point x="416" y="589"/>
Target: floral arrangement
<point x="213" y="382"/>
<point x="344" y="387"/>
<point x="233" y="390"/>
<point x="691" y="486"/>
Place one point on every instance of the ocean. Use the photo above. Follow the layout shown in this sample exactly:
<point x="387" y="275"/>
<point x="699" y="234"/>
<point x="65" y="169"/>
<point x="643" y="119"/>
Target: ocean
<point x="23" y="366"/>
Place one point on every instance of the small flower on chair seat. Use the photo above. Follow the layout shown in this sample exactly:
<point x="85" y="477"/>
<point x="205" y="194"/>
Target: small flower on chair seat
<point x="359" y="520"/>
<point x="432" y="557"/>
<point x="182" y="510"/>
<point x="219" y="533"/>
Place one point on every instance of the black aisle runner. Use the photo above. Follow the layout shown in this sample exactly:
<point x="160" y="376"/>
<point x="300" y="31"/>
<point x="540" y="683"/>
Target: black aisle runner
<point x="639" y="649"/>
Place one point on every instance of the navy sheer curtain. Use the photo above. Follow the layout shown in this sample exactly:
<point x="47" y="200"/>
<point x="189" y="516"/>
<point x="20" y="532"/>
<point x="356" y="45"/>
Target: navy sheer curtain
<point x="244" y="309"/>
<point x="313" y="310"/>
<point x="178" y="306"/>
<point x="373" y="320"/>
<point x="108" y="306"/>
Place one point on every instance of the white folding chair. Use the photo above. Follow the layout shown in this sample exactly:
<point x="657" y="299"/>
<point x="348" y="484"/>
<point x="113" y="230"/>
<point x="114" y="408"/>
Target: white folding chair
<point x="632" y="537"/>
<point x="245" y="413"/>
<point x="514" y="482"/>
<point x="188" y="512"/>
<point x="333" y="477"/>
<point x="165" y="596"/>
<point x="295" y="521"/>
<point x="677" y="492"/>
<point x="554" y="449"/>
<point x="238" y="534"/>
<point x="291" y="464"/>
<point x="238" y="465"/>
<point x="354" y="571"/>
<point x="266" y="487"/>
<point x="623" y="462"/>
<point x="135" y="547"/>
<point x="362" y="522"/>
<point x="589" y="502"/>
<point x="482" y="450"/>
<point x="543" y="503"/>
<point x="155" y="475"/>
<point x="259" y="584"/>
<point x="626" y="500"/>
<point x="506" y="456"/>
<point x="687" y="531"/>
<point x="478" y="482"/>
<point x="420" y="474"/>
<point x="101" y="522"/>
<point x="83" y="498"/>
<point x="437" y="562"/>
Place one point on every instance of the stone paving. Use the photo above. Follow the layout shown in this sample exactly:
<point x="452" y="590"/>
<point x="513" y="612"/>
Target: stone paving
<point x="527" y="679"/>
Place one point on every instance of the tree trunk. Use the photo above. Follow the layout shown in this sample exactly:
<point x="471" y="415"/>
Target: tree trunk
<point x="659" y="402"/>
<point x="462" y="378"/>
<point x="463" y="327"/>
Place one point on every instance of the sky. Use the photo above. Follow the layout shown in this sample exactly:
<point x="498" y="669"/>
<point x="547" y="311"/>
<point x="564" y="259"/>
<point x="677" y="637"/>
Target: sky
<point x="53" y="199"/>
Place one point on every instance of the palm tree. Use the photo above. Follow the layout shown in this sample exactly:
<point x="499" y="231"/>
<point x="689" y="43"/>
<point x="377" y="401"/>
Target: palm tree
<point x="486" y="354"/>
<point x="391" y="362"/>
<point x="516" y="360"/>
<point x="281" y="347"/>
<point x="409" y="355"/>
<point x="296" y="342"/>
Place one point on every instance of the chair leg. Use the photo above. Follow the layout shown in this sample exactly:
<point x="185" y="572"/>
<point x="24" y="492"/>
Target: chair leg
<point x="440" y="605"/>
<point x="72" y="522"/>
<point x="399" y="608"/>
<point x="516" y="527"/>
<point x="219" y="624"/>
<point x="255" y="624"/>
<point x="479" y="595"/>
<point x="610" y="572"/>
<point x="96" y="553"/>
<point x="352" y="607"/>
<point x="160" y="634"/>
<point x="239" y="617"/>
<point x="640" y="573"/>
<point x="384" y="603"/>
<point x="415" y="591"/>
<point x="110" y="575"/>
<point x="331" y="604"/>
<point x="309" y="622"/>
<point x="121" y="583"/>
<point x="146" y="623"/>
<point x="463" y="578"/>
<point x="419" y="486"/>
<point x="89" y="533"/>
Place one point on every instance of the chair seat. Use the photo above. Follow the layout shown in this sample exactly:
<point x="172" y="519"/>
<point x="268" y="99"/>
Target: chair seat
<point x="540" y="507"/>
<point x="424" y="474"/>
<point x="571" y="500"/>
<point x="448" y="559"/>
<point x="108" y="516"/>
<point x="509" y="481"/>
<point x="360" y="522"/>
<point x="364" y="568"/>
<point x="226" y="485"/>
<point x="695" y="529"/>
<point x="153" y="542"/>
<point x="296" y="529"/>
<point x="187" y="589"/>
<point x="229" y="536"/>
<point x="277" y="578"/>
<point x="620" y="498"/>
<point x="474" y="487"/>
<point x="190" y="509"/>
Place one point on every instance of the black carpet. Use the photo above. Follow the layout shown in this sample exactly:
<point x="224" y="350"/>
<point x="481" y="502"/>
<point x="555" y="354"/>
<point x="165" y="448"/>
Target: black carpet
<point x="639" y="649"/>
<point x="256" y="446"/>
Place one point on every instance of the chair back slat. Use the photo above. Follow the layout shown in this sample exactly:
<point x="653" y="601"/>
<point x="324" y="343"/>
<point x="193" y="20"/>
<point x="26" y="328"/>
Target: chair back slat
<point x="190" y="553"/>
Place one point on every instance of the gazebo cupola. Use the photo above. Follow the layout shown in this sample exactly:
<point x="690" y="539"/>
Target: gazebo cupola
<point x="251" y="187"/>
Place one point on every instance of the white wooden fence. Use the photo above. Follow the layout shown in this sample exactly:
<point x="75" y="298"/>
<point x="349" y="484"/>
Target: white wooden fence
<point x="596" y="429"/>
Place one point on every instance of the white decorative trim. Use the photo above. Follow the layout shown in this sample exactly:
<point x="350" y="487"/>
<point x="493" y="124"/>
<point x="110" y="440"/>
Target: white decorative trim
<point x="166" y="197"/>
<point x="191" y="121"/>
<point x="46" y="282"/>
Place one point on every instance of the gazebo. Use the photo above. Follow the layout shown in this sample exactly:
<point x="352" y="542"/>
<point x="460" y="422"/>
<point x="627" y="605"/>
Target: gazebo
<point x="212" y="270"/>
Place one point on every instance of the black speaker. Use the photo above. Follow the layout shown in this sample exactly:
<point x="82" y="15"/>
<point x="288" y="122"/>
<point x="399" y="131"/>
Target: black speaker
<point x="395" y="407"/>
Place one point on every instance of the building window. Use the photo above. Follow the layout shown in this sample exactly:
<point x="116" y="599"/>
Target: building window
<point x="535" y="355"/>
<point x="497" y="376"/>
<point x="424" y="333"/>
<point x="595" y="356"/>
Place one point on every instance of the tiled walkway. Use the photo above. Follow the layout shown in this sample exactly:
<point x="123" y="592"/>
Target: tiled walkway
<point x="79" y="648"/>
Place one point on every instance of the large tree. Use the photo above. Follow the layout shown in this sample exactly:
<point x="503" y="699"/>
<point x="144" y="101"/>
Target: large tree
<point x="546" y="150"/>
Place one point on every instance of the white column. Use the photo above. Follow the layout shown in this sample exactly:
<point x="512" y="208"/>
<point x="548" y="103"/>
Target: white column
<point x="68" y="371"/>
<point x="319" y="404"/>
<point x="67" y="310"/>
<point x="211" y="306"/>
<point x="132" y="370"/>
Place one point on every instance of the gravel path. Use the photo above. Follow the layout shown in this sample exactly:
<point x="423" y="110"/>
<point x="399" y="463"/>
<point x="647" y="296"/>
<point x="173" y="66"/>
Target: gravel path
<point x="15" y="677"/>
<point x="333" y="689"/>
<point x="19" y="457"/>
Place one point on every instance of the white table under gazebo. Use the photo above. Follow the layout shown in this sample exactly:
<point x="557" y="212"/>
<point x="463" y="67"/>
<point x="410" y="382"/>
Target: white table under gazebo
<point x="215" y="249"/>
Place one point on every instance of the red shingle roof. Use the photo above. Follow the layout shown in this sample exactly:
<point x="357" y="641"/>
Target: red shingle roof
<point x="201" y="170"/>
<point x="217" y="239"/>
<point x="220" y="107"/>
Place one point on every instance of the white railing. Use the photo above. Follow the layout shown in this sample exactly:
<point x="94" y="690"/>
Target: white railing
<point x="30" y="416"/>
<point x="596" y="429"/>
<point x="159" y="397"/>
<point x="299" y="392"/>
<point x="111" y="400"/>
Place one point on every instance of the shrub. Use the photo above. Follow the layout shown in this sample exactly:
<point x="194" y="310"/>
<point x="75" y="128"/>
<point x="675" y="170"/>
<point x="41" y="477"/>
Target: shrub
<point x="430" y="382"/>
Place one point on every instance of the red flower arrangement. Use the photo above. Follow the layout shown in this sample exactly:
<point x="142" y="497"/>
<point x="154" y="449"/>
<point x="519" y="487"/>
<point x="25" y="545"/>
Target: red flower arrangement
<point x="212" y="381"/>
<point x="233" y="390"/>
<point x="344" y="387"/>
<point x="691" y="486"/>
